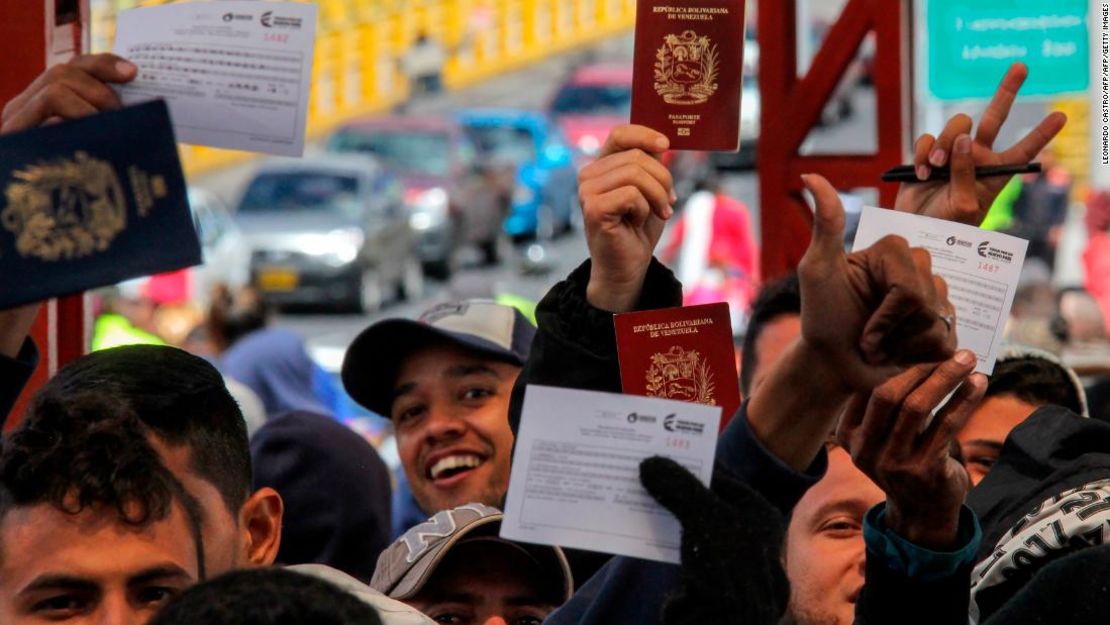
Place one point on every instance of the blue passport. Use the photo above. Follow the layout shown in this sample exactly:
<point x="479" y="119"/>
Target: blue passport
<point x="92" y="202"/>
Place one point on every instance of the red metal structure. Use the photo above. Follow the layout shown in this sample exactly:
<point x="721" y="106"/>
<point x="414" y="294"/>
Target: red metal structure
<point x="35" y="34"/>
<point x="791" y="108"/>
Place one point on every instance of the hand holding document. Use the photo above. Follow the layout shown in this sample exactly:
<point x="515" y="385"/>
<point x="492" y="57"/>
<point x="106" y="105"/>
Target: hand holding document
<point x="235" y="74"/>
<point x="575" y="477"/>
<point x="981" y="268"/>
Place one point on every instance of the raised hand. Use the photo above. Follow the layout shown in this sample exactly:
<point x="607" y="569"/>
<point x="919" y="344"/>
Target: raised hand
<point x="871" y="313"/>
<point x="866" y="316"/>
<point x="626" y="197"/>
<point x="891" y="439"/>
<point x="75" y="89"/>
<point x="963" y="198"/>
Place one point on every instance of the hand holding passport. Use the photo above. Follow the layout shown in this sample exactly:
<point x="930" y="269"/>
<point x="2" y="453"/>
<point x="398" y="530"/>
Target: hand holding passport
<point x="680" y="353"/>
<point x="92" y="202"/>
<point x="687" y="76"/>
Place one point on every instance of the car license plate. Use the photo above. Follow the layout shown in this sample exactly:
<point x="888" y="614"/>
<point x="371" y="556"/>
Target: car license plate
<point x="277" y="279"/>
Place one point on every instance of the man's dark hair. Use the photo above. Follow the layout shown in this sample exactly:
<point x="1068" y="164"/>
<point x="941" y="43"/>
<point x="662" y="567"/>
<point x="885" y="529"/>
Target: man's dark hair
<point x="90" y="451"/>
<point x="781" y="297"/>
<point x="178" y="398"/>
<point x="1036" y="381"/>
<point x="270" y="596"/>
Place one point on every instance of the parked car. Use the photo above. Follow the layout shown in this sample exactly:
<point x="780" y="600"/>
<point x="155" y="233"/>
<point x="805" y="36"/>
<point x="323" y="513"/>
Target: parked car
<point x="545" y="181"/>
<point x="597" y="98"/>
<point x="455" y="199"/>
<point x="329" y="230"/>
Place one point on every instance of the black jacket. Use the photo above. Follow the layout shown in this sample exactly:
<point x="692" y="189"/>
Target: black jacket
<point x="1072" y="590"/>
<point x="1047" y="496"/>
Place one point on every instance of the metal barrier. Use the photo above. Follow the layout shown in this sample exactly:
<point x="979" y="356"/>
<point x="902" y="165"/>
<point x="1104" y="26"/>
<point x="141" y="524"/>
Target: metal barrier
<point x="360" y="43"/>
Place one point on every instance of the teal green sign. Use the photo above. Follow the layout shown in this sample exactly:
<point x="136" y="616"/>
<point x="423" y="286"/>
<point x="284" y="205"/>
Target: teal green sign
<point x="972" y="42"/>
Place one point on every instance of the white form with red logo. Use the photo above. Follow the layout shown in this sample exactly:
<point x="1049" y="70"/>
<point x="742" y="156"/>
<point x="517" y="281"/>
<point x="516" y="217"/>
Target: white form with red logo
<point x="235" y="74"/>
<point x="576" y="474"/>
<point x="981" y="268"/>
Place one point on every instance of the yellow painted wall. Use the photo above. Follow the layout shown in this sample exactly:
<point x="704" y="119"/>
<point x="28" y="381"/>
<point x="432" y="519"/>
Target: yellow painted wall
<point x="360" y="41"/>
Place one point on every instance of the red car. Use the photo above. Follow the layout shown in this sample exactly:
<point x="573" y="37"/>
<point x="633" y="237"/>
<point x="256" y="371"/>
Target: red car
<point x="594" y="100"/>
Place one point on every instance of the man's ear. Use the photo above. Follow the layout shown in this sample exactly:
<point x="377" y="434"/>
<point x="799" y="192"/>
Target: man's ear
<point x="260" y="523"/>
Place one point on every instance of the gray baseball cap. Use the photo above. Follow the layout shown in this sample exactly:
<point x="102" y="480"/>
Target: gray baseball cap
<point x="412" y="559"/>
<point x="497" y="331"/>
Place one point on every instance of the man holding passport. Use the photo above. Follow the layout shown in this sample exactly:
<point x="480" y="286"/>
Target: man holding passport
<point x="864" y="317"/>
<point x="851" y="335"/>
<point x="775" y="442"/>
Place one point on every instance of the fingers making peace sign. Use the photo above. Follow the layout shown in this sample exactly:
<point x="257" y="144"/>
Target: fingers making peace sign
<point x="964" y="198"/>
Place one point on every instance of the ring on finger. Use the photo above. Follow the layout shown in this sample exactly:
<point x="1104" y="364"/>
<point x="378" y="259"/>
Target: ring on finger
<point x="948" y="320"/>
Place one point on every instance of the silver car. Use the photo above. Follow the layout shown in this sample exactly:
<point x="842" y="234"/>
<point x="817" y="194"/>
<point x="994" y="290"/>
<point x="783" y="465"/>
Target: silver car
<point x="329" y="231"/>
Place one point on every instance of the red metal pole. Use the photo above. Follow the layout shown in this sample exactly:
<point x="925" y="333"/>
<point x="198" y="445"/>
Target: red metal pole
<point x="791" y="108"/>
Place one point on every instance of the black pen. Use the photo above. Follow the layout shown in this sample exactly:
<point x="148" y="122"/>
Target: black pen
<point x="907" y="173"/>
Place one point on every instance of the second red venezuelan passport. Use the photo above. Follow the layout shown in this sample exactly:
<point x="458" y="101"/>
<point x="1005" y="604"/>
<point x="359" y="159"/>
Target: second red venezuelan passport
<point x="680" y="353"/>
<point x="687" y="72"/>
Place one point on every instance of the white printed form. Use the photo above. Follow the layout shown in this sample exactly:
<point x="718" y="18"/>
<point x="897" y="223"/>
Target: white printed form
<point x="576" y="474"/>
<point x="235" y="74"/>
<point x="981" y="268"/>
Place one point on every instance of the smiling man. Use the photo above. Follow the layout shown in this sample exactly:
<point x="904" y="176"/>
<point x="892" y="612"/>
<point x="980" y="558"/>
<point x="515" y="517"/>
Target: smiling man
<point x="93" y="527"/>
<point x="445" y="381"/>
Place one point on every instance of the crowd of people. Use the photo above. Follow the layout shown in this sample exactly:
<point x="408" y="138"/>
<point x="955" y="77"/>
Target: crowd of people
<point x="870" y="476"/>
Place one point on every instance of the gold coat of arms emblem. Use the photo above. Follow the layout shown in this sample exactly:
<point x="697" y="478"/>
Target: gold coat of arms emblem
<point x="682" y="375"/>
<point x="686" y="68"/>
<point x="64" y="209"/>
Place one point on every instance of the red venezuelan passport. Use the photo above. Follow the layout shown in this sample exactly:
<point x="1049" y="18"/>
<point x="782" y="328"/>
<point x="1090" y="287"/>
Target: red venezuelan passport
<point x="687" y="76"/>
<point x="680" y="353"/>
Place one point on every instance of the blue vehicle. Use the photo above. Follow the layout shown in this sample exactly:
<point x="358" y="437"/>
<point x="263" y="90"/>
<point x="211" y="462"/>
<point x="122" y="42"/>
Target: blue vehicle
<point x="545" y="185"/>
